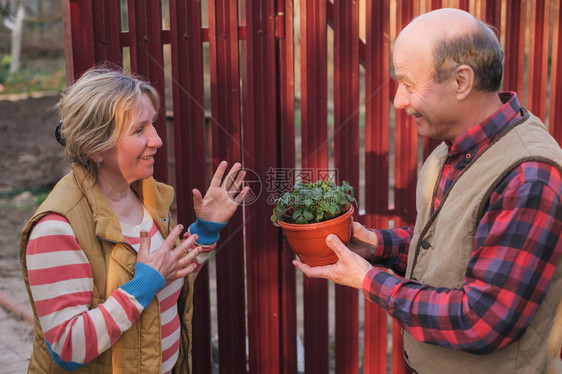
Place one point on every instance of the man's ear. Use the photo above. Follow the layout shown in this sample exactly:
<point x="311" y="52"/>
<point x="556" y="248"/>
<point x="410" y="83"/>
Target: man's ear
<point x="464" y="81"/>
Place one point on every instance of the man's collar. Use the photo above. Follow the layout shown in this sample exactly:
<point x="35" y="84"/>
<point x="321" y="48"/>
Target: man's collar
<point x="484" y="132"/>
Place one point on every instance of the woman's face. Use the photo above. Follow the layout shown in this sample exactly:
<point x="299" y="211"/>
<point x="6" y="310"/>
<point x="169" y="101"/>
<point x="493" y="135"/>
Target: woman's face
<point x="133" y="157"/>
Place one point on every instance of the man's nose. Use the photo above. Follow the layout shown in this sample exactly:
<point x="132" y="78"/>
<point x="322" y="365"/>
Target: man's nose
<point x="401" y="98"/>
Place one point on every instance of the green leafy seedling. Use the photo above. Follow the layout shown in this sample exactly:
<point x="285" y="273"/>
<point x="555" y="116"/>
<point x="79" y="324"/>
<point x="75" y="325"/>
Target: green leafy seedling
<point x="313" y="202"/>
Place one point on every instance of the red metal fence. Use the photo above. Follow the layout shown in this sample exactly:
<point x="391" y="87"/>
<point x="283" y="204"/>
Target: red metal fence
<point x="258" y="52"/>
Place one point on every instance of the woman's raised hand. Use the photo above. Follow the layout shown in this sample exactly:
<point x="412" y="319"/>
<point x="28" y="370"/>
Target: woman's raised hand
<point x="222" y="199"/>
<point x="170" y="261"/>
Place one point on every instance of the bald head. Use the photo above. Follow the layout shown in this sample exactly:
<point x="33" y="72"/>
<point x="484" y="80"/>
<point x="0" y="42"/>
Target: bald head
<point x="453" y="37"/>
<point x="439" y="24"/>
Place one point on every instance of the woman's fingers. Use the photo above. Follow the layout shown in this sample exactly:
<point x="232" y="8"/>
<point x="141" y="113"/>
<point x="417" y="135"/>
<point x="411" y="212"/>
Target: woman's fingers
<point x="191" y="255"/>
<point x="144" y="243"/>
<point x="238" y="198"/>
<point x="197" y="197"/>
<point x="232" y="176"/>
<point x="186" y="244"/>
<point x="170" y="261"/>
<point x="182" y="260"/>
<point x="184" y="272"/>
<point x="170" y="241"/>
<point x="217" y="177"/>
<point x="237" y="183"/>
<point x="233" y="184"/>
<point x="187" y="264"/>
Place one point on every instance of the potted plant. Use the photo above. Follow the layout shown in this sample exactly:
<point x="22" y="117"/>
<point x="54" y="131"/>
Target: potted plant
<point x="310" y="213"/>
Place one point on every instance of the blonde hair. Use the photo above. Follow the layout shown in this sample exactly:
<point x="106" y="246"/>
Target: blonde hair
<point x="96" y="109"/>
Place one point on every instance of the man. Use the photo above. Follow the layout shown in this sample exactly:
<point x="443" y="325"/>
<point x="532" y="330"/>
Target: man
<point x="482" y="273"/>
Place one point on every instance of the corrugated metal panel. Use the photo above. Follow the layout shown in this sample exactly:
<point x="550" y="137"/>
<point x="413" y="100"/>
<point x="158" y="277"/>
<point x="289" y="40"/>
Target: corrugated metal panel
<point x="377" y="160"/>
<point x="555" y="116"/>
<point x="226" y="125"/>
<point x="78" y="23"/>
<point x="405" y="172"/>
<point x="147" y="59"/>
<point x="538" y="57"/>
<point x="261" y="153"/>
<point x="314" y="135"/>
<point x="107" y="30"/>
<point x="286" y="157"/>
<point x="189" y="131"/>
<point x="346" y="161"/>
<point x="514" y="45"/>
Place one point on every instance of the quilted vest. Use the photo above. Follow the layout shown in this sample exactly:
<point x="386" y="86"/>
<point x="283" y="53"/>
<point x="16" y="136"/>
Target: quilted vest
<point x="112" y="261"/>
<point x="442" y="247"/>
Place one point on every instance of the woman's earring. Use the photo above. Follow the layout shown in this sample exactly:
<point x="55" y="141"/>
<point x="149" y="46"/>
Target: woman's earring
<point x="98" y="163"/>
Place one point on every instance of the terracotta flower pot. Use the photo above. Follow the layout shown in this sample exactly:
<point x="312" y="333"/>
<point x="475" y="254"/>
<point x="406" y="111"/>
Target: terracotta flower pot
<point x="308" y="241"/>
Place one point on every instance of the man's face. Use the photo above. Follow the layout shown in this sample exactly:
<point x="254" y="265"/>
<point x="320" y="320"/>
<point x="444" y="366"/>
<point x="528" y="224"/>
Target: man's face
<point x="431" y="104"/>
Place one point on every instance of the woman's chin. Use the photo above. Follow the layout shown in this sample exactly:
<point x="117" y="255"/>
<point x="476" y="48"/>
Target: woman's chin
<point x="149" y="172"/>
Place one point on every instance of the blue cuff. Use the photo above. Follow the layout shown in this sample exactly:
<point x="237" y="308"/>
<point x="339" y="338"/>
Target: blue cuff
<point x="145" y="284"/>
<point x="207" y="231"/>
<point x="69" y="366"/>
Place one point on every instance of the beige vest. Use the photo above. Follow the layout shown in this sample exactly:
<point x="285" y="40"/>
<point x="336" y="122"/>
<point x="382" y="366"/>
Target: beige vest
<point x="442" y="247"/>
<point x="113" y="263"/>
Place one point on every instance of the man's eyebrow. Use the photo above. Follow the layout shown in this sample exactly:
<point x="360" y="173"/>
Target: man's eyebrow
<point x="399" y="77"/>
<point x="396" y="76"/>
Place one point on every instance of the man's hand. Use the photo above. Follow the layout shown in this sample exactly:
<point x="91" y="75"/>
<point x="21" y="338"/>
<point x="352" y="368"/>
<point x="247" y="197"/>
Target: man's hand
<point x="350" y="270"/>
<point x="222" y="199"/>
<point x="363" y="242"/>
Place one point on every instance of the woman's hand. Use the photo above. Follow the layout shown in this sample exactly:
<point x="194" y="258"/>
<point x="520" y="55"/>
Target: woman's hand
<point x="363" y="242"/>
<point x="222" y="199"/>
<point x="350" y="270"/>
<point x="170" y="261"/>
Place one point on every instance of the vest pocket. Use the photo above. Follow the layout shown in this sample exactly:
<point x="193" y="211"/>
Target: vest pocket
<point x="123" y="256"/>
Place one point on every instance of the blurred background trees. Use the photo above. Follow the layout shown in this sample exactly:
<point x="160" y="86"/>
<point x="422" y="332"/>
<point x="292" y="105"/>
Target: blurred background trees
<point x="31" y="46"/>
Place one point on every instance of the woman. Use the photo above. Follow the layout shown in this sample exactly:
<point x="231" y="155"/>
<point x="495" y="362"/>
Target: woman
<point x="110" y="283"/>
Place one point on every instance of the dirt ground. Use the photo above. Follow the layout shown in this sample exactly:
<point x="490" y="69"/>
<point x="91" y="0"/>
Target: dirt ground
<point x="31" y="161"/>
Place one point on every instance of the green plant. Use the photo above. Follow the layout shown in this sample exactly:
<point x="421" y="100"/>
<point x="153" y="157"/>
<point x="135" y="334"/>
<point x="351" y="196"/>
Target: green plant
<point x="313" y="202"/>
<point x="42" y="74"/>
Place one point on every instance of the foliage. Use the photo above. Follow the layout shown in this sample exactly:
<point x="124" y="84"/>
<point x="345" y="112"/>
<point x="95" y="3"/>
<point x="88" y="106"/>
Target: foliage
<point x="42" y="74"/>
<point x="41" y="197"/>
<point x="4" y="67"/>
<point x="313" y="202"/>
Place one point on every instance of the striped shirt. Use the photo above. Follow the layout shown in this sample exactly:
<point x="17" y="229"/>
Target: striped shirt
<point x="61" y="284"/>
<point x="509" y="273"/>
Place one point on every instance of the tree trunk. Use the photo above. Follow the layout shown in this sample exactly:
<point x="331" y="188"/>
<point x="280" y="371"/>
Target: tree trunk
<point x="17" y="34"/>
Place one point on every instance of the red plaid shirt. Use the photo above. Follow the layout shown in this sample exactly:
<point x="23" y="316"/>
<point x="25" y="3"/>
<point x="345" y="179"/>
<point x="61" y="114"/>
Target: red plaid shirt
<point x="516" y="249"/>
